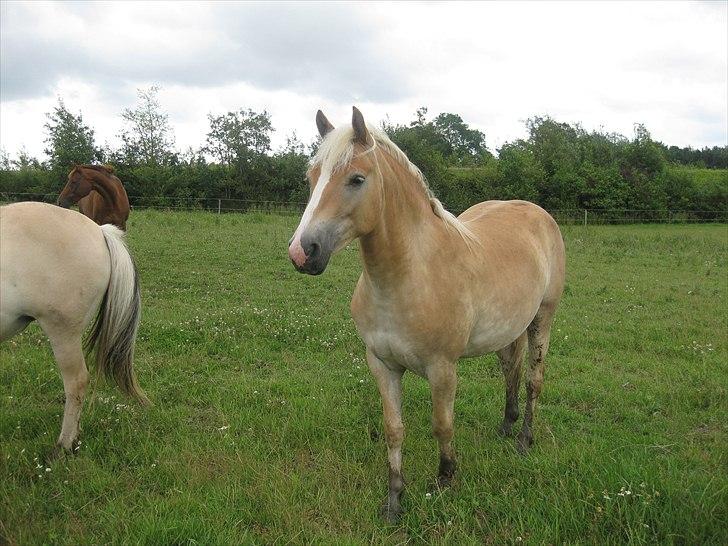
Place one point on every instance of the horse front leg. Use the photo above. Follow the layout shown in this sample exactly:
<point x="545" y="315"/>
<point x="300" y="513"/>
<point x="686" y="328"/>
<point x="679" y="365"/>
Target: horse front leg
<point x="443" y="384"/>
<point x="389" y="382"/>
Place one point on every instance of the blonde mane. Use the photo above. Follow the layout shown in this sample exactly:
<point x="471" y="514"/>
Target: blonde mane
<point x="337" y="150"/>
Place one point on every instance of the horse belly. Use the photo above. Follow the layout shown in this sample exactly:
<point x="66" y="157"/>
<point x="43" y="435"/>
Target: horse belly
<point x="491" y="333"/>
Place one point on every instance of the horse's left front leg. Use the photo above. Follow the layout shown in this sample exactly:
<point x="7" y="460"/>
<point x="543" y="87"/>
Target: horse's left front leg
<point x="443" y="383"/>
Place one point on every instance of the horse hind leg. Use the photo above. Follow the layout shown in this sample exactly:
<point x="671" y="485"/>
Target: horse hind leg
<point x="511" y="358"/>
<point x="68" y="352"/>
<point x="539" y="333"/>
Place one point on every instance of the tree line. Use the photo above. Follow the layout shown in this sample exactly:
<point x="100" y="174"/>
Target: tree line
<point x="557" y="165"/>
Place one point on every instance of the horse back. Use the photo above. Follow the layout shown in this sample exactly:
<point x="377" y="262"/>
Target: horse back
<point x="513" y="231"/>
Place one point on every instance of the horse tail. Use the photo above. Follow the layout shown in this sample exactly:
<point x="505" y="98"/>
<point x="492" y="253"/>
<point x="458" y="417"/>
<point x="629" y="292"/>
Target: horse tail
<point x="113" y="334"/>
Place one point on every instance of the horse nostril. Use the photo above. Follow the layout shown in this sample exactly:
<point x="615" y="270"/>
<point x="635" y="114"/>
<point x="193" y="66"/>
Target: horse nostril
<point x="311" y="250"/>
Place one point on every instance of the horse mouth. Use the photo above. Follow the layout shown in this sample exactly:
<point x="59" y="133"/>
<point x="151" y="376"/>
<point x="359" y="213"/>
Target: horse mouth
<point x="311" y="267"/>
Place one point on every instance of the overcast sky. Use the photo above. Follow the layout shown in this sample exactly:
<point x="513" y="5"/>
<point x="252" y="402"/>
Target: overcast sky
<point x="605" y="65"/>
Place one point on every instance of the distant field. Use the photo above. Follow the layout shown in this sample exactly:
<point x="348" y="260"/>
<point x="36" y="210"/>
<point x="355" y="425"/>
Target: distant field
<point x="266" y="425"/>
<point x="703" y="176"/>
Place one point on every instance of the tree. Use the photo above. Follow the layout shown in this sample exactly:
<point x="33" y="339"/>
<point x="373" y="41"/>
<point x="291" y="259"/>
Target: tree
<point x="69" y="140"/>
<point x="290" y="167"/>
<point x="462" y="144"/>
<point x="148" y="137"/>
<point x="520" y="172"/>
<point x="240" y="141"/>
<point x="448" y="134"/>
<point x="4" y="160"/>
<point x="236" y="138"/>
<point x="25" y="161"/>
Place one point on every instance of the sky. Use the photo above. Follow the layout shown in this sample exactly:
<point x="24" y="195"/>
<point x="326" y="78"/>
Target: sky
<point x="606" y="65"/>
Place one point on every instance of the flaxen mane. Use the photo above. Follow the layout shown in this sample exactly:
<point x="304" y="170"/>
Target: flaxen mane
<point x="337" y="151"/>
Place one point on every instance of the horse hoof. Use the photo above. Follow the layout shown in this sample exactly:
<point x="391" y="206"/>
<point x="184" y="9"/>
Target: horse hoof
<point x="58" y="452"/>
<point x="391" y="515"/>
<point x="444" y="481"/>
<point x="524" y="443"/>
<point x="506" y="430"/>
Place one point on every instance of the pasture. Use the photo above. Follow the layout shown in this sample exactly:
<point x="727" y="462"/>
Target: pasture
<point x="266" y="424"/>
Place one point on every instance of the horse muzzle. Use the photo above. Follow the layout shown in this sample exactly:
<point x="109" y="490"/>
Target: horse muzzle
<point x="311" y="252"/>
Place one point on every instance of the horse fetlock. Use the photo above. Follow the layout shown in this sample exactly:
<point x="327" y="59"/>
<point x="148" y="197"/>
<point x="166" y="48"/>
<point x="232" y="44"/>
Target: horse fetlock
<point x="446" y="470"/>
<point x="392" y="507"/>
<point x="396" y="482"/>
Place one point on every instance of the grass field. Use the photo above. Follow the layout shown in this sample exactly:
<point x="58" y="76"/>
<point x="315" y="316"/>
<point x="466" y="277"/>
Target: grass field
<point x="266" y="425"/>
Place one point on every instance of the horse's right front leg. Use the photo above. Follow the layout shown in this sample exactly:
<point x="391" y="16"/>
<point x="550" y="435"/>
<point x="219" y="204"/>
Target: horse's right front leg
<point x="390" y="387"/>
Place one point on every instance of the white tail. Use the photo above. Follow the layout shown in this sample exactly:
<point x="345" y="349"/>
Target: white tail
<point x="113" y="335"/>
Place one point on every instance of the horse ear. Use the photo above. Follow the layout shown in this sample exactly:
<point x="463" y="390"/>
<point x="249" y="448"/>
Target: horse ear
<point x="361" y="134"/>
<point x="323" y="124"/>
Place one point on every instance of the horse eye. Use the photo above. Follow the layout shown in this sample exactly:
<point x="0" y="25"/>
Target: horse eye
<point x="357" y="180"/>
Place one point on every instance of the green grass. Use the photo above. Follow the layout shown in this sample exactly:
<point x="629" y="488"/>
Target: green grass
<point x="266" y="425"/>
<point x="702" y="176"/>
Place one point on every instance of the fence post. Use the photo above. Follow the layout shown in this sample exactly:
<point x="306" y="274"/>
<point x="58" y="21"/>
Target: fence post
<point x="219" y="203"/>
<point x="585" y="217"/>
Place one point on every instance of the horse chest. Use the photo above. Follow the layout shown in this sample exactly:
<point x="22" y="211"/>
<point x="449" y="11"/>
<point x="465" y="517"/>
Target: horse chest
<point x="399" y="337"/>
<point x="394" y="349"/>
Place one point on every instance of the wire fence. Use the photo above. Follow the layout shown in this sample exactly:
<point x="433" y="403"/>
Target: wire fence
<point x="220" y="205"/>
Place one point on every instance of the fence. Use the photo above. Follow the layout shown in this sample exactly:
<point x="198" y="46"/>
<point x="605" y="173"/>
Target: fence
<point x="221" y="205"/>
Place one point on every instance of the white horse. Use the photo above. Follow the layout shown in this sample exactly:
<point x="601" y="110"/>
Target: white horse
<point x="58" y="267"/>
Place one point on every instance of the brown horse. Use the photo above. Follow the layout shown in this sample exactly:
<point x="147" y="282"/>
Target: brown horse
<point x="100" y="195"/>
<point x="434" y="287"/>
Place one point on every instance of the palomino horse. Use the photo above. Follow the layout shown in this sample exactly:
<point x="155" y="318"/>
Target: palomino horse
<point x="434" y="287"/>
<point x="58" y="267"/>
<point x="100" y="195"/>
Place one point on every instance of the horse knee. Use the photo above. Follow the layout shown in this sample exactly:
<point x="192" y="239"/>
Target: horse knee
<point x="442" y="431"/>
<point x="394" y="433"/>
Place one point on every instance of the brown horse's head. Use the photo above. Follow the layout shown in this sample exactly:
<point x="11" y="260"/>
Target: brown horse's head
<point x="346" y="194"/>
<point x="78" y="186"/>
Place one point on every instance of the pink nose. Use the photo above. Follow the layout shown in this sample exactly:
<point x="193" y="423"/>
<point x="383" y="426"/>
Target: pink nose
<point x="296" y="253"/>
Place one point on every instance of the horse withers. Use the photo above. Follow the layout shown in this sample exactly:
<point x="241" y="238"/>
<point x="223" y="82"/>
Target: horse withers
<point x="434" y="287"/>
<point x="61" y="269"/>
<point x="100" y="195"/>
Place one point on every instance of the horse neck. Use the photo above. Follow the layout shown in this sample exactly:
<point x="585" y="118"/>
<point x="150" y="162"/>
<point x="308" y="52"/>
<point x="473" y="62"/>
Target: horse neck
<point x="105" y="186"/>
<point x="408" y="232"/>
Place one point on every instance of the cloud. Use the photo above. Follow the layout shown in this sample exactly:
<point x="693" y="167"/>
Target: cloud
<point x="329" y="49"/>
<point x="603" y="64"/>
